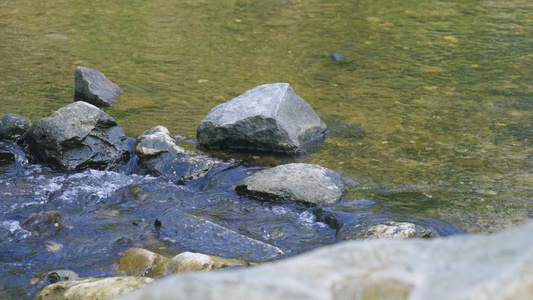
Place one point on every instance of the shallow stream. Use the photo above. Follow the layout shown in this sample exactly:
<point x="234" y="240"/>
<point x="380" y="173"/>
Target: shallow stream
<point x="430" y="111"/>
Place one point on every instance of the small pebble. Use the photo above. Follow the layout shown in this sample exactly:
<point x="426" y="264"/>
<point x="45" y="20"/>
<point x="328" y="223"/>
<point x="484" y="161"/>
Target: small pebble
<point x="336" y="56"/>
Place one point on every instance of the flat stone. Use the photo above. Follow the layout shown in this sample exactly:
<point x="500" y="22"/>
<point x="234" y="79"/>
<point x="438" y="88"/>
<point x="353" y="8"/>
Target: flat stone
<point x="92" y="86"/>
<point x="270" y="117"/>
<point x="395" y="230"/>
<point x="492" y="267"/>
<point x="306" y="183"/>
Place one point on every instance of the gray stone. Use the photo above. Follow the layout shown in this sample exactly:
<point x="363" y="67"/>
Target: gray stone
<point x="189" y="261"/>
<point x="78" y="136"/>
<point x="92" y="288"/>
<point x="13" y="127"/>
<point x="270" y="117"/>
<point x="92" y="86"/>
<point x="494" y="267"/>
<point x="159" y="154"/>
<point x="395" y="230"/>
<point x="306" y="183"/>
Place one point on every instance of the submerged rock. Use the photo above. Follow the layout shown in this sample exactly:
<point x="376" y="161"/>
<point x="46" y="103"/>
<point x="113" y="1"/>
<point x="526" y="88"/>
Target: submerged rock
<point x="395" y="230"/>
<point x="306" y="183"/>
<point x="270" y="117"/>
<point x="45" y="223"/>
<point x="459" y="267"/>
<point x="92" y="288"/>
<point x="159" y="154"/>
<point x="141" y="262"/>
<point x="199" y="235"/>
<point x="78" y="136"/>
<point x="92" y="86"/>
<point x="13" y="127"/>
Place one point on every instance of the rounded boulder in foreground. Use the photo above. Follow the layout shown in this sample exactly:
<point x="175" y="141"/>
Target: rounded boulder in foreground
<point x="270" y="117"/>
<point x="305" y="183"/>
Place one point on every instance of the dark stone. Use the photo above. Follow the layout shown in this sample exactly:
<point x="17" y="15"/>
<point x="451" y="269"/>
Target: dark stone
<point x="78" y="136"/>
<point x="336" y="56"/>
<point x="13" y="127"/>
<point x="305" y="183"/>
<point x="270" y="117"/>
<point x="160" y="155"/>
<point x="92" y="86"/>
<point x="45" y="223"/>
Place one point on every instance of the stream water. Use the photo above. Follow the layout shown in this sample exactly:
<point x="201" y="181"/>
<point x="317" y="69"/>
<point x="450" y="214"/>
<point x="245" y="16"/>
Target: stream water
<point x="430" y="110"/>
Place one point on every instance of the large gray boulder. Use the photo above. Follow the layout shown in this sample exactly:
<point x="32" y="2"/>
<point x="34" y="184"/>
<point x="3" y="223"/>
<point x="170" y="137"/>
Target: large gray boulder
<point x="13" y="126"/>
<point x="78" y="136"/>
<point x="459" y="267"/>
<point x="270" y="117"/>
<point x="159" y="154"/>
<point x="306" y="183"/>
<point x="92" y="86"/>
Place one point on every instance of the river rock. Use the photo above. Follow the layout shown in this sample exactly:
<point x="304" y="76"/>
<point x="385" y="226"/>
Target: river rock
<point x="306" y="183"/>
<point x="394" y="230"/>
<point x="92" y="86"/>
<point x="490" y="267"/>
<point x="270" y="117"/>
<point x="92" y="288"/>
<point x="159" y="154"/>
<point x="6" y="155"/>
<point x="142" y="262"/>
<point x="78" y="136"/>
<point x="189" y="261"/>
<point x="13" y="127"/>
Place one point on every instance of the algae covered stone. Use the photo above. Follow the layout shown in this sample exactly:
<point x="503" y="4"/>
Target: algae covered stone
<point x="270" y="117"/>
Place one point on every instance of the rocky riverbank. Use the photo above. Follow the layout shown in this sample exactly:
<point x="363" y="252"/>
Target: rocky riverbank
<point x="209" y="213"/>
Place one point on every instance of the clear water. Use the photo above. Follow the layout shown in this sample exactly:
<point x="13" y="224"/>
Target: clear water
<point x="429" y="109"/>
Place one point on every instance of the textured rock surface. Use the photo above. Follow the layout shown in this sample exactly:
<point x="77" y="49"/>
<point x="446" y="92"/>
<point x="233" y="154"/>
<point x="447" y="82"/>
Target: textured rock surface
<point x="270" y="117"/>
<point x="44" y="223"/>
<point x="160" y="154"/>
<point x="395" y="230"/>
<point x="306" y="183"/>
<point x="92" y="86"/>
<point x="78" y="136"/>
<point x="92" y="288"/>
<point x="495" y="267"/>
<point x="13" y="127"/>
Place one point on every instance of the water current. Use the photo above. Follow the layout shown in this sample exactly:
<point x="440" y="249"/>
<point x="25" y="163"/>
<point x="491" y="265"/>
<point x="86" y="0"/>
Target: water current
<point x="429" y="110"/>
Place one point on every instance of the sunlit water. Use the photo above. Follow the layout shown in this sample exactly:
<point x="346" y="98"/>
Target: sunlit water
<point x="429" y="110"/>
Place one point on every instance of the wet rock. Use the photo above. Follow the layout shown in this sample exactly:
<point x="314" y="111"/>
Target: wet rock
<point x="92" y="288"/>
<point x="306" y="183"/>
<point x="270" y="117"/>
<point x="395" y="230"/>
<point x="188" y="261"/>
<point x="160" y="154"/>
<point x="199" y="235"/>
<point x="78" y="136"/>
<point x="461" y="267"/>
<point x="45" y="223"/>
<point x="6" y="156"/>
<point x="92" y="86"/>
<point x="13" y="127"/>
<point x="141" y="262"/>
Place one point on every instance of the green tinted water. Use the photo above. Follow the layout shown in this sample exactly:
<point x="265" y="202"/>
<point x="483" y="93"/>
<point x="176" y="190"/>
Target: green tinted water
<point x="442" y="89"/>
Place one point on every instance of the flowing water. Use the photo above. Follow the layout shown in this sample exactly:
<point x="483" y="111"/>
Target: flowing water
<point x="429" y="110"/>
